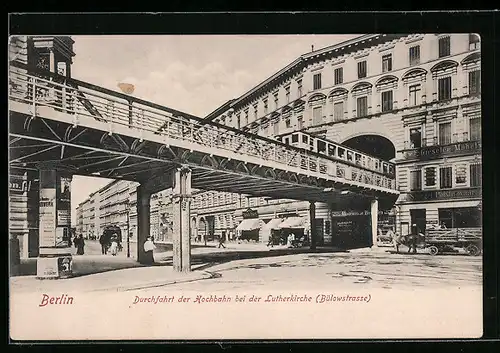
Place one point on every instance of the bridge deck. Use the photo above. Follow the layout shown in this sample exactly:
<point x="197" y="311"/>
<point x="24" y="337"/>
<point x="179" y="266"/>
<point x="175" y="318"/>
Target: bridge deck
<point x="96" y="131"/>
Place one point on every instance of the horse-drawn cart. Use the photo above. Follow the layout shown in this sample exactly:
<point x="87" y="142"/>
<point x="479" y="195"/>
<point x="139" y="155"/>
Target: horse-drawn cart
<point x="443" y="240"/>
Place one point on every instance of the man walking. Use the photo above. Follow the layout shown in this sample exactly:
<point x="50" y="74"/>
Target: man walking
<point x="221" y="242"/>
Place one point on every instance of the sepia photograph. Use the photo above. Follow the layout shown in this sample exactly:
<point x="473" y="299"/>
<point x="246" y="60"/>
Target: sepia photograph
<point x="211" y="187"/>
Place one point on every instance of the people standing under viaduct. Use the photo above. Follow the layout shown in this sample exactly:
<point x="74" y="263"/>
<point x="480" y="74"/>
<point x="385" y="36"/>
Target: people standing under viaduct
<point x="104" y="241"/>
<point x="149" y="246"/>
<point x="80" y="245"/>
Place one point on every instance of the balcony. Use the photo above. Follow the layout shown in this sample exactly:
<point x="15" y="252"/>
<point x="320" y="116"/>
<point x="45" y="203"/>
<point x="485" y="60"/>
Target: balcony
<point x="431" y="149"/>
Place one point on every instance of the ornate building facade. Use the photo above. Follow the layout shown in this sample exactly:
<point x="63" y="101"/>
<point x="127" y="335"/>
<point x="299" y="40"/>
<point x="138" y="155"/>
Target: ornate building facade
<point x="410" y="99"/>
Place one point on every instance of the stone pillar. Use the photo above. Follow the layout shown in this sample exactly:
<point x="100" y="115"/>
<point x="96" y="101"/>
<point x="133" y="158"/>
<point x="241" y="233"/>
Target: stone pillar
<point x="182" y="218"/>
<point x="374" y="221"/>
<point x="54" y="258"/>
<point x="312" y="222"/>
<point x="143" y="221"/>
<point x="32" y="216"/>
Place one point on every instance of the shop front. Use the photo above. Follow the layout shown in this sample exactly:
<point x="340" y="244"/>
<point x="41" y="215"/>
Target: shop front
<point x="250" y="226"/>
<point x="294" y="225"/>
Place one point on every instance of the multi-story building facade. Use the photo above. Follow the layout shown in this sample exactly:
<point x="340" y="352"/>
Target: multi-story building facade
<point x="411" y="99"/>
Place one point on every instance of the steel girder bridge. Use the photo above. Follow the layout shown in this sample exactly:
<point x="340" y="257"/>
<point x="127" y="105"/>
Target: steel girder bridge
<point x="92" y="131"/>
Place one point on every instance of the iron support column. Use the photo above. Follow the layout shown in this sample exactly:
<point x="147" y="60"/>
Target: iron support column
<point x="143" y="221"/>
<point x="312" y="221"/>
<point x="181" y="200"/>
<point x="374" y="221"/>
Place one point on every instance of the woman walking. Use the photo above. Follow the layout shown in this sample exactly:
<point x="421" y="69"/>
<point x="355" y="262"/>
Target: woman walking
<point x="80" y="245"/>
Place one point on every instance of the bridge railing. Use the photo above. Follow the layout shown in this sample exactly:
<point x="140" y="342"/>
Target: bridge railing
<point x="85" y="101"/>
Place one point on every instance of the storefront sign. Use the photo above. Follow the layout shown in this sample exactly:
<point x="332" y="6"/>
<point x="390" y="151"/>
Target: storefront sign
<point x="249" y="214"/>
<point x="19" y="186"/>
<point x="47" y="217"/>
<point x="47" y="267"/>
<point x="466" y="193"/>
<point x="357" y="213"/>
<point x="431" y="152"/>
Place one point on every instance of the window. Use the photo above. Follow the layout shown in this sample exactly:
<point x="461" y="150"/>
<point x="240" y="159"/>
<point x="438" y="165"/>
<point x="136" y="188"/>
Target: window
<point x="299" y="88"/>
<point x="445" y="177"/>
<point x="444" y="88"/>
<point x="414" y="95"/>
<point x="416" y="137"/>
<point x="266" y="107"/>
<point x="387" y="63"/>
<point x="361" y="69"/>
<point x="475" y="175"/>
<point x="276" y="128"/>
<point x="338" y="111"/>
<point x="276" y="100"/>
<point x="321" y="146"/>
<point x="287" y="94"/>
<point x="317" y="81"/>
<point x="288" y="123"/>
<point x="295" y="138"/>
<point x="317" y="115"/>
<point x="415" y="180"/>
<point x="305" y="139"/>
<point x="264" y="130"/>
<point x="362" y="106"/>
<point x="255" y="111"/>
<point x="246" y="117"/>
<point x="430" y="176"/>
<point x="444" y="46"/>
<point x="339" y="76"/>
<point x="474" y="82"/>
<point x="238" y="121"/>
<point x="475" y="129"/>
<point x="386" y="101"/>
<point x="300" y="123"/>
<point x="414" y="53"/>
<point x="460" y="174"/>
<point x="331" y="150"/>
<point x="444" y="133"/>
<point x="473" y="41"/>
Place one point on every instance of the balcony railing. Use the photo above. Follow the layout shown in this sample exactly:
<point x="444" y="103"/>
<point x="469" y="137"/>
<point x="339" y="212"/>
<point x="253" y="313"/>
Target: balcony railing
<point x="83" y="101"/>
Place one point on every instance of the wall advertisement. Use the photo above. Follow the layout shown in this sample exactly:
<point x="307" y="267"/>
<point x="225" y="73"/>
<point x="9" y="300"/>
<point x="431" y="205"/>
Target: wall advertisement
<point x="47" y="217"/>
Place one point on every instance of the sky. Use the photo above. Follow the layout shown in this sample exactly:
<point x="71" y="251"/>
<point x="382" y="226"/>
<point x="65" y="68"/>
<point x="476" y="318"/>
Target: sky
<point x="194" y="74"/>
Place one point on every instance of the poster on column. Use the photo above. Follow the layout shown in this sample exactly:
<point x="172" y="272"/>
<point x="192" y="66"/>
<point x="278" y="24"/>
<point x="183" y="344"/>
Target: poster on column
<point x="64" y="202"/>
<point x="47" y="217"/>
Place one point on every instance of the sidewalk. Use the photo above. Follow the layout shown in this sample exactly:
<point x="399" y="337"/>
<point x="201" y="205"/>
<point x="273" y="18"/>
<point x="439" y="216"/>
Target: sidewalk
<point x="119" y="280"/>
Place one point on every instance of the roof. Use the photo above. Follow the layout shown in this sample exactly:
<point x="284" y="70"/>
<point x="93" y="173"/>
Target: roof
<point x="219" y="110"/>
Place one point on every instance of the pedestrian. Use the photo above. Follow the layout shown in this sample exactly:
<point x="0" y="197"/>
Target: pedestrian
<point x="104" y="243"/>
<point x="221" y="242"/>
<point x="149" y="246"/>
<point x="80" y="245"/>
<point x="290" y="239"/>
<point x="114" y="244"/>
<point x="271" y="240"/>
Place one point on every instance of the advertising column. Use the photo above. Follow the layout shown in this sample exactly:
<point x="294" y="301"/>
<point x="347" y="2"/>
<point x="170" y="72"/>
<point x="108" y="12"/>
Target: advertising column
<point x="55" y="260"/>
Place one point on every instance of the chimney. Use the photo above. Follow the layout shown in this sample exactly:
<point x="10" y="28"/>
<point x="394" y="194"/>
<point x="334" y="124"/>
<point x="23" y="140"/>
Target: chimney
<point x="312" y="48"/>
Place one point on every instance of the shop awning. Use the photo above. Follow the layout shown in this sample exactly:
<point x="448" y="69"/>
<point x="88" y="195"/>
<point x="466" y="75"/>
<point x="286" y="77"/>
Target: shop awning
<point x="293" y="222"/>
<point x="273" y="224"/>
<point x="249" y="224"/>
